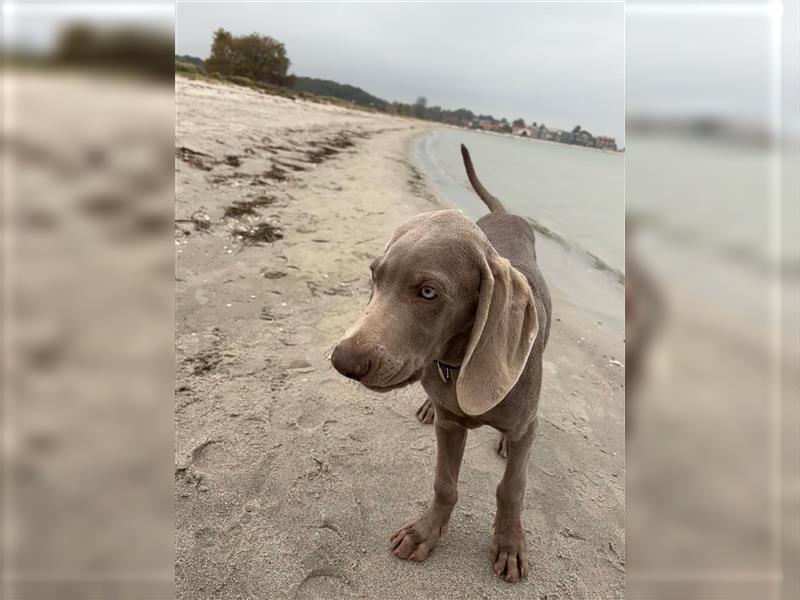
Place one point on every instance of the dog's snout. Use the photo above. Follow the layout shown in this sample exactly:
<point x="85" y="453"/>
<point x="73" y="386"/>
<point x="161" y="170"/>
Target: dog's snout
<point x="349" y="363"/>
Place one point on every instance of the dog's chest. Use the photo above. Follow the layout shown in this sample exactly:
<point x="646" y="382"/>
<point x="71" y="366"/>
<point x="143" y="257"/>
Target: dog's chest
<point x="443" y="395"/>
<point x="515" y="411"/>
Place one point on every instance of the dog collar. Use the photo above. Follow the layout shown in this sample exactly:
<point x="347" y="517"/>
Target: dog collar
<point x="445" y="371"/>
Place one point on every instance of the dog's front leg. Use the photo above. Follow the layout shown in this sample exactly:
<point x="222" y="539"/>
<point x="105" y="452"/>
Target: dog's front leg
<point x="417" y="540"/>
<point x="509" y="553"/>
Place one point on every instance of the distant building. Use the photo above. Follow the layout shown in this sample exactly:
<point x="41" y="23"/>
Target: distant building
<point x="488" y="125"/>
<point x="559" y="135"/>
<point x="583" y="138"/>
<point x="605" y="142"/>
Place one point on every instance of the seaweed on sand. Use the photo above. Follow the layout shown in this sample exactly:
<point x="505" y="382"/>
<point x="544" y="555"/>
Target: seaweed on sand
<point x="193" y="157"/>
<point x="241" y="208"/>
<point x="276" y="173"/>
<point x="257" y="234"/>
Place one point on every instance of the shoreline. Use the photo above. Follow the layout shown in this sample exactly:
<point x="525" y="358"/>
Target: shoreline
<point x="290" y="478"/>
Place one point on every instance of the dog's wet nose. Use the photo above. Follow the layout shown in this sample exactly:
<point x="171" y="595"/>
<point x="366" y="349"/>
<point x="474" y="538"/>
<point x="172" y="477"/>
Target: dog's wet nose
<point x="349" y="363"/>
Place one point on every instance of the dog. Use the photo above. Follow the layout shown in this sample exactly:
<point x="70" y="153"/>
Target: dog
<point x="463" y="308"/>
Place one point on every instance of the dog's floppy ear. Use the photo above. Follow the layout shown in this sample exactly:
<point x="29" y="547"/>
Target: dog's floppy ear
<point x="505" y="328"/>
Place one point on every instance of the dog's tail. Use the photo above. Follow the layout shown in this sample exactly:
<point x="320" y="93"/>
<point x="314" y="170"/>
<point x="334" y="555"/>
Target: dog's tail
<point x="492" y="202"/>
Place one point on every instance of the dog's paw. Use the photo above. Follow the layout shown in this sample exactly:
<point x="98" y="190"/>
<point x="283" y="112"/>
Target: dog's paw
<point x="416" y="541"/>
<point x="509" y="557"/>
<point x="425" y="412"/>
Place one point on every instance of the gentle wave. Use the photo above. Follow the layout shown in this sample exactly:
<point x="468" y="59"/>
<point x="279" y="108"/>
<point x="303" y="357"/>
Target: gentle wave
<point x="592" y="259"/>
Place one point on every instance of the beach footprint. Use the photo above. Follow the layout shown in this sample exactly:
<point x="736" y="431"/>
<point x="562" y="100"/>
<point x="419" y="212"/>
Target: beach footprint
<point x="325" y="576"/>
<point x="324" y="582"/>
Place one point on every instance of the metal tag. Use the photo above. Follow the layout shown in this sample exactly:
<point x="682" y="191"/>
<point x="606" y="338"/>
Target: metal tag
<point x="444" y="372"/>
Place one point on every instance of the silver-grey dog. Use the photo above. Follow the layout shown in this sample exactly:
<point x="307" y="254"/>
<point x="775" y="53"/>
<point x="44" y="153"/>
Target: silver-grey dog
<point x="464" y="308"/>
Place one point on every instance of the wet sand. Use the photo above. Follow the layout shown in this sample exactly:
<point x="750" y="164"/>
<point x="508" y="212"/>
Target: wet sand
<point x="289" y="478"/>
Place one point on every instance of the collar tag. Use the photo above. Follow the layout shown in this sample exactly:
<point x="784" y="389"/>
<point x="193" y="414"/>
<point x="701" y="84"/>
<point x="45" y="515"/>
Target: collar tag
<point x="444" y="372"/>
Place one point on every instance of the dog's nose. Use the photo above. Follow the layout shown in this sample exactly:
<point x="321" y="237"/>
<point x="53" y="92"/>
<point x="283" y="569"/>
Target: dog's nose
<point x="349" y="363"/>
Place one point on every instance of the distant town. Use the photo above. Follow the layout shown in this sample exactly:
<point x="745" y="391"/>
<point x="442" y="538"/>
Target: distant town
<point x="463" y="117"/>
<point x="576" y="137"/>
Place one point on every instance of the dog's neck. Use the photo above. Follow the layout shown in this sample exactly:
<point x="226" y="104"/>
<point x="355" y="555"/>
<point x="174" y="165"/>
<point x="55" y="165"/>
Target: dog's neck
<point x="453" y="351"/>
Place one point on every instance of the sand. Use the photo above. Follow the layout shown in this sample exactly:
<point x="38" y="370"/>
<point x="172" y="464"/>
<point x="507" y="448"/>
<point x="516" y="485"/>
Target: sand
<point x="290" y="478"/>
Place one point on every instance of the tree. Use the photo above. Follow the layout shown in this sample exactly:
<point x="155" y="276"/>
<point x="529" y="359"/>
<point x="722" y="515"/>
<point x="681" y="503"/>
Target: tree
<point x="401" y="109"/>
<point x="419" y="107"/>
<point x="464" y="114"/>
<point x="124" y="48"/>
<point x="257" y="57"/>
<point x="222" y="53"/>
<point x="519" y="123"/>
<point x="576" y="129"/>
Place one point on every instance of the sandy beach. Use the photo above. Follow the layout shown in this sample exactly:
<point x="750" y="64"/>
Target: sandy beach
<point x="289" y="478"/>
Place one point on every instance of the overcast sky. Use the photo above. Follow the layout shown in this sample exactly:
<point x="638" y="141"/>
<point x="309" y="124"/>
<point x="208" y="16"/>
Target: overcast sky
<point x="557" y="63"/>
<point x="722" y="66"/>
<point x="561" y="63"/>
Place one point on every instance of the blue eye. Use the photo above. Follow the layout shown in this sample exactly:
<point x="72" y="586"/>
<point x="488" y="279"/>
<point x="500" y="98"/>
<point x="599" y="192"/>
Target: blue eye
<point x="428" y="293"/>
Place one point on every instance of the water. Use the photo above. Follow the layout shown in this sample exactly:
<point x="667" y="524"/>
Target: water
<point x="714" y="220"/>
<point x="574" y="198"/>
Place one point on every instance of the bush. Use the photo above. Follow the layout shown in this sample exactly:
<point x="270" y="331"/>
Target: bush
<point x="184" y="67"/>
<point x="239" y="80"/>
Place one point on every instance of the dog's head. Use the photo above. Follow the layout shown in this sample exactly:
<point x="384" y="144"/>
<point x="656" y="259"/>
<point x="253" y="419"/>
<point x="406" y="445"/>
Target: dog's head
<point x="440" y="279"/>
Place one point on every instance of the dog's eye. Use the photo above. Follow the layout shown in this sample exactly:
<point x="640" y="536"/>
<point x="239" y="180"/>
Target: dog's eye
<point x="427" y="292"/>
